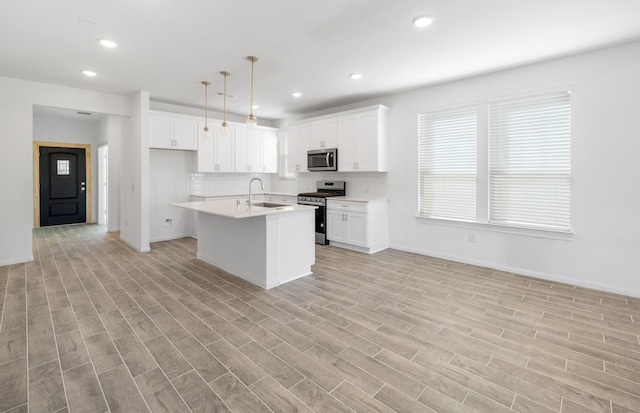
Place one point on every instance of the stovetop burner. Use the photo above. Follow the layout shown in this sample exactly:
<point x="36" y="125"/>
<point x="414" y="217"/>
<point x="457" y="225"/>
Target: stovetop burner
<point x="322" y="194"/>
<point x="327" y="189"/>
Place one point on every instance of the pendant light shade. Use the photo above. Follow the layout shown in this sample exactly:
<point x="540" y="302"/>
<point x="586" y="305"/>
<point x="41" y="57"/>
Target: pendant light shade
<point x="205" y="132"/>
<point x="252" y="121"/>
<point x="224" y="128"/>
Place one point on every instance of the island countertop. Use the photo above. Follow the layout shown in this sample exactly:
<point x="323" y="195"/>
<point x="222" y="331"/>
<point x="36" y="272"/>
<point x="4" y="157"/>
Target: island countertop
<point x="231" y="208"/>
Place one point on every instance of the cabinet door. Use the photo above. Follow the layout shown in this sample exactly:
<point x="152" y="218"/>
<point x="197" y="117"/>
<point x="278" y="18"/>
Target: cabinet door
<point x="356" y="229"/>
<point x="347" y="148"/>
<point x="160" y="132"/>
<point x="336" y="226"/>
<point x="225" y="150"/>
<point x="367" y="141"/>
<point x="206" y="155"/>
<point x="254" y="150"/>
<point x="241" y="136"/>
<point x="316" y="134"/>
<point x="330" y="139"/>
<point x="185" y="134"/>
<point x="269" y="151"/>
<point x="297" y="147"/>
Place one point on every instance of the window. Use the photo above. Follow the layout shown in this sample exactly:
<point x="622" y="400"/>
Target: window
<point x="447" y="163"/>
<point x="63" y="167"/>
<point x="529" y="161"/>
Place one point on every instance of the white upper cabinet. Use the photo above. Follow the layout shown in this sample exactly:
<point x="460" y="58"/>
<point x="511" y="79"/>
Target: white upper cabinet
<point x="297" y="147"/>
<point x="256" y="150"/>
<point x="359" y="135"/>
<point x="170" y="131"/>
<point x="323" y="133"/>
<point x="362" y="141"/>
<point x="215" y="152"/>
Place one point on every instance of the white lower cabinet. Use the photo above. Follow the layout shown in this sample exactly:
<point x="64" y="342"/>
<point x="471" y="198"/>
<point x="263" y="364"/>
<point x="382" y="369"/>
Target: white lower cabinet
<point x="358" y="225"/>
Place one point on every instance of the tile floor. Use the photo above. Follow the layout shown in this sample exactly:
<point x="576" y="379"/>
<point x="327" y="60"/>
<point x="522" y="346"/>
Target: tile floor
<point x="92" y="326"/>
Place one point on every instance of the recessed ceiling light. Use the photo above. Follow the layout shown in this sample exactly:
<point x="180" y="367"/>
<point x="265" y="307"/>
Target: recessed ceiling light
<point x="296" y="94"/>
<point x="89" y="73"/>
<point x="355" y="76"/>
<point x="422" y="21"/>
<point x="108" y="43"/>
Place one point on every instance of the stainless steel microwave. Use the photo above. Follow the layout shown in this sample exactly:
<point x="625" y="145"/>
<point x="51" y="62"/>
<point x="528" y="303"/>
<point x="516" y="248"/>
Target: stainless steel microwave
<point x="322" y="160"/>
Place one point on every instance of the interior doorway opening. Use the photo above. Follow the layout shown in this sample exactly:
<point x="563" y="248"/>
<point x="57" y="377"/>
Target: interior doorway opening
<point x="103" y="185"/>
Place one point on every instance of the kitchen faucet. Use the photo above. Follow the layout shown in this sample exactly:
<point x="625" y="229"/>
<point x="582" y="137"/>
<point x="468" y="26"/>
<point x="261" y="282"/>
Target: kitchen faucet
<point x="250" y="195"/>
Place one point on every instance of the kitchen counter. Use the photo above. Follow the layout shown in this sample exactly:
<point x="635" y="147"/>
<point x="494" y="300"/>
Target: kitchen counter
<point x="234" y="194"/>
<point x="231" y="208"/>
<point x="359" y="198"/>
<point x="264" y="246"/>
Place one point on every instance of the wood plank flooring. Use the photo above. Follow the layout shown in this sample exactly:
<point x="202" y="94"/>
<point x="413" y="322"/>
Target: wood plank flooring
<point x="92" y="326"/>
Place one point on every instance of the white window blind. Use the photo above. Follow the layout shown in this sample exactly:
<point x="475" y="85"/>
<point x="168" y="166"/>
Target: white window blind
<point x="529" y="161"/>
<point x="447" y="163"/>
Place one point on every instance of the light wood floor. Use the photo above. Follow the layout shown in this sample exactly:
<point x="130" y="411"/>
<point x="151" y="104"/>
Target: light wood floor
<point x="92" y="326"/>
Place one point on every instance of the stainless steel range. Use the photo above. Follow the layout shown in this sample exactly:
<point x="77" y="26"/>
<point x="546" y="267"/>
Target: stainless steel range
<point x="325" y="189"/>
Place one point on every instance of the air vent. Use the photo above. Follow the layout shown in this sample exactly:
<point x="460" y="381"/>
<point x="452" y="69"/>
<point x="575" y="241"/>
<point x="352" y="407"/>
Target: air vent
<point x="84" y="113"/>
<point x="229" y="95"/>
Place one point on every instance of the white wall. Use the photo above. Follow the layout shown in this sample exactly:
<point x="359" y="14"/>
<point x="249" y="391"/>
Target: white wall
<point x="16" y="158"/>
<point x="170" y="181"/>
<point x="69" y="131"/>
<point x="134" y="175"/>
<point x="605" y="250"/>
<point x="110" y="130"/>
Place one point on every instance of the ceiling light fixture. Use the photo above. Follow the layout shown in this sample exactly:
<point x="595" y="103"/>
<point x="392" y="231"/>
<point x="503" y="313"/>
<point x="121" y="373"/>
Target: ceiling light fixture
<point x="205" y="131"/>
<point x="108" y="43"/>
<point x="355" y="76"/>
<point x="252" y="121"/>
<point x="89" y="73"/>
<point x="255" y="107"/>
<point x="224" y="128"/>
<point x="422" y="21"/>
<point x="296" y="94"/>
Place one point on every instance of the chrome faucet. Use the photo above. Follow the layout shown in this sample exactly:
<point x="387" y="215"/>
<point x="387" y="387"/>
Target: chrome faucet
<point x="250" y="194"/>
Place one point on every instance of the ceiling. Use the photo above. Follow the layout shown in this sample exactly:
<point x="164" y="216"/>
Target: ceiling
<point x="168" y="47"/>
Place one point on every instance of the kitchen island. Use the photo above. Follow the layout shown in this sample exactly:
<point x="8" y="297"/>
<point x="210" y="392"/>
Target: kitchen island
<point x="266" y="244"/>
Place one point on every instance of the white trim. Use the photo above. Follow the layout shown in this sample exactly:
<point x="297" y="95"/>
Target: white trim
<point x="481" y="226"/>
<point x="171" y="237"/>
<point x="16" y="261"/>
<point x="522" y="271"/>
<point x="135" y="247"/>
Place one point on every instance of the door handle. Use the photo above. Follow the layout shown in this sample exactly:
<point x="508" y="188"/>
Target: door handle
<point x="82" y="186"/>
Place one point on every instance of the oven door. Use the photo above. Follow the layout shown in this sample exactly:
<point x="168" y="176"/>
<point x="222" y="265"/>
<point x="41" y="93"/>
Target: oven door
<point x="321" y="226"/>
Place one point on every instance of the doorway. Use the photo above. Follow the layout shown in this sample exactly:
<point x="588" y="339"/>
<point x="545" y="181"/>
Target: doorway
<point x="103" y="185"/>
<point x="62" y="187"/>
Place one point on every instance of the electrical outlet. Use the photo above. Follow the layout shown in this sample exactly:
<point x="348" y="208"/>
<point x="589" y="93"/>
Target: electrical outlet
<point x="472" y="237"/>
<point x="168" y="222"/>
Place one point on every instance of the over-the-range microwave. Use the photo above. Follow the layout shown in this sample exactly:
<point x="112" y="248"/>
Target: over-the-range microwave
<point x="322" y="160"/>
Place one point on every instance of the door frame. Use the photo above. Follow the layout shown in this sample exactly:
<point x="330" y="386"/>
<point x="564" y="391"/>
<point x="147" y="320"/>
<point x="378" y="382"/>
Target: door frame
<point x="36" y="175"/>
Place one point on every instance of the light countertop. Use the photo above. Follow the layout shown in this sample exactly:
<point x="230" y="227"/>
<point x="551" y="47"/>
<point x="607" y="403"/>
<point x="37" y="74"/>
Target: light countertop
<point x="233" y="194"/>
<point x="358" y="198"/>
<point x="231" y="208"/>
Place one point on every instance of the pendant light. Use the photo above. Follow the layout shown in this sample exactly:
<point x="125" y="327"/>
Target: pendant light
<point x="224" y="128"/>
<point x="252" y="121"/>
<point x="205" y="131"/>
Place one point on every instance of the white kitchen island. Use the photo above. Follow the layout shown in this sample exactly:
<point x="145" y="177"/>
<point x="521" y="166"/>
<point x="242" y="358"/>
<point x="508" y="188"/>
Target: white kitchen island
<point x="265" y="246"/>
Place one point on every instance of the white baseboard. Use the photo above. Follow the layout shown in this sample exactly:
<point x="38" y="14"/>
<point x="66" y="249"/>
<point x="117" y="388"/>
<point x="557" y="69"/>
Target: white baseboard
<point x="16" y="261"/>
<point x="171" y="237"/>
<point x="520" y="271"/>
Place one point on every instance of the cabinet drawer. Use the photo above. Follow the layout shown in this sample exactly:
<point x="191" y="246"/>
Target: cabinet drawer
<point x="348" y="206"/>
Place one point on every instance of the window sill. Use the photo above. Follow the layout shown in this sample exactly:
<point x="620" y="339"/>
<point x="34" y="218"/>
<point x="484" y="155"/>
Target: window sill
<point x="504" y="229"/>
